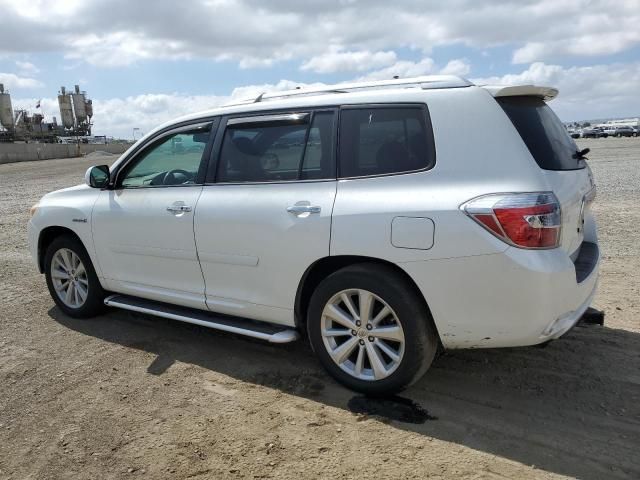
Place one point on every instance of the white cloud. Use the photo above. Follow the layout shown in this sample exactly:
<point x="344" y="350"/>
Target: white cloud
<point x="425" y="66"/>
<point x="119" y="49"/>
<point x="11" y="80"/>
<point x="27" y="68"/>
<point x="337" y="60"/>
<point x="257" y="33"/>
<point x="252" y="91"/>
<point x="402" y="68"/>
<point x="592" y="44"/>
<point x="457" y="66"/>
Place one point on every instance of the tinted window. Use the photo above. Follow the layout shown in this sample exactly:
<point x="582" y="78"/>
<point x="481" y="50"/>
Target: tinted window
<point x="376" y="141"/>
<point x="543" y="133"/>
<point x="276" y="152"/>
<point x="174" y="160"/>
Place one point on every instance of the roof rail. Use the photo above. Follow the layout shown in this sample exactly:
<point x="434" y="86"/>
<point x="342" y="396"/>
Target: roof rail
<point x="424" y="82"/>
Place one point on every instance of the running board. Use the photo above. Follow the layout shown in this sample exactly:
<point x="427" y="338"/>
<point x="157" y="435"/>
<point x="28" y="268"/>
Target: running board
<point x="241" y="326"/>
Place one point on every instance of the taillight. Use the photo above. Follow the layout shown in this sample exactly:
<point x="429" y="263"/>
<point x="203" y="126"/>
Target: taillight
<point x="525" y="220"/>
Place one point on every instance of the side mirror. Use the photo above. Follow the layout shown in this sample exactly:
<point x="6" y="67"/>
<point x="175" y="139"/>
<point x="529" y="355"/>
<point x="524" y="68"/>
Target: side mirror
<point x="97" y="177"/>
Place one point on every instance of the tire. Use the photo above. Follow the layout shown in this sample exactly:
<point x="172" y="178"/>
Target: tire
<point x="79" y="306"/>
<point x="414" y="353"/>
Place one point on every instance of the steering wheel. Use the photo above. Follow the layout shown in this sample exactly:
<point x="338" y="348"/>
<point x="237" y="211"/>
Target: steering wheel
<point x="176" y="177"/>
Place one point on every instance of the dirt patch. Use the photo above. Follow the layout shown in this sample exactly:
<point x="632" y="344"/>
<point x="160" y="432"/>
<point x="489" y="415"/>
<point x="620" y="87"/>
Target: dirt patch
<point x="131" y="395"/>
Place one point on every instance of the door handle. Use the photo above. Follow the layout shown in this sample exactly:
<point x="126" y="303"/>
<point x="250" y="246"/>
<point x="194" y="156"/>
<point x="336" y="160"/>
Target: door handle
<point x="298" y="209"/>
<point x="179" y="208"/>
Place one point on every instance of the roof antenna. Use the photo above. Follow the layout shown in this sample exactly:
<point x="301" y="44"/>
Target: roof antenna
<point x="298" y="87"/>
<point x="259" y="98"/>
<point x="396" y="77"/>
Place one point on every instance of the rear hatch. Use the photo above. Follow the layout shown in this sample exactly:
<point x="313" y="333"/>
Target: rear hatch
<point x="558" y="156"/>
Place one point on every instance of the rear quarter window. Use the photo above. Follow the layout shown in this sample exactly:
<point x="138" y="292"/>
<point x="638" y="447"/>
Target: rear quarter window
<point x="542" y="131"/>
<point x="384" y="140"/>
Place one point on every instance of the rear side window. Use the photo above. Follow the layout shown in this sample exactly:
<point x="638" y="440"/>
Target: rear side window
<point x="272" y="151"/>
<point x="542" y="131"/>
<point x="384" y="140"/>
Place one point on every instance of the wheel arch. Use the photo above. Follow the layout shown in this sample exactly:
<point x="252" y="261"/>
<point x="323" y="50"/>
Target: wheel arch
<point x="48" y="235"/>
<point x="325" y="266"/>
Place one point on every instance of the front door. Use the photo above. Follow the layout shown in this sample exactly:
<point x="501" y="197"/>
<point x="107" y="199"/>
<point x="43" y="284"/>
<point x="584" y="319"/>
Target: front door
<point x="143" y="228"/>
<point x="267" y="217"/>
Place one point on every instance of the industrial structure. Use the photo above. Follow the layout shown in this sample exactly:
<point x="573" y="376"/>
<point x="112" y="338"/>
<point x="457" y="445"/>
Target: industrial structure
<point x="76" y="111"/>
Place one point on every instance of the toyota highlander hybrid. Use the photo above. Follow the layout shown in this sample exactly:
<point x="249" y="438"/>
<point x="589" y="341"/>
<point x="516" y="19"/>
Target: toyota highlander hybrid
<point x="383" y="220"/>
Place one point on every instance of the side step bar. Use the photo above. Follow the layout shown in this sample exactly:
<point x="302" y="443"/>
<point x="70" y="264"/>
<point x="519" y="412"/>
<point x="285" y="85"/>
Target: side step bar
<point x="250" y="328"/>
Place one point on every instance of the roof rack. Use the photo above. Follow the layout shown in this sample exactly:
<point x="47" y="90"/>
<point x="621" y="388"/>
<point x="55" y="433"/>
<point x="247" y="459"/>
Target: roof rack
<point x="424" y="82"/>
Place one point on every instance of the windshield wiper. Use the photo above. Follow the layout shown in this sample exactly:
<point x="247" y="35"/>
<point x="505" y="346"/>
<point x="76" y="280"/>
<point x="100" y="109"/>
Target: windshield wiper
<point x="581" y="154"/>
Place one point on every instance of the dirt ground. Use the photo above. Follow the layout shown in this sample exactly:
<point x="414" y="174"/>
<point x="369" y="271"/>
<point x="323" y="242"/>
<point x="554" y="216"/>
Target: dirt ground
<point x="127" y="395"/>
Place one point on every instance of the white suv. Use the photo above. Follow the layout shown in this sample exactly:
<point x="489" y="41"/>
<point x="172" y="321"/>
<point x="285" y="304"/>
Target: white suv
<point x="384" y="220"/>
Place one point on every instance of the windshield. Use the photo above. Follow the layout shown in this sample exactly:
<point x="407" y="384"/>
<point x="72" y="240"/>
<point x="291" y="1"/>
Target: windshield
<point x="542" y="131"/>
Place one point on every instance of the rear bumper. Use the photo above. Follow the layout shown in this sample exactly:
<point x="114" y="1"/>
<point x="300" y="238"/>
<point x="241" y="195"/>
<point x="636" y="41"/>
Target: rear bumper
<point x="515" y="298"/>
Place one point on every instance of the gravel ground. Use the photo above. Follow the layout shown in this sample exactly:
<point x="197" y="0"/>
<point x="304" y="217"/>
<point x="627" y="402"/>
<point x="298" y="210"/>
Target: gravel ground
<point x="127" y="395"/>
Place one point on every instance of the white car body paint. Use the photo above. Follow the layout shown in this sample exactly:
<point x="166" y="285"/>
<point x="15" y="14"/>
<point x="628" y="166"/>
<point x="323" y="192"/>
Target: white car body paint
<point x="240" y="252"/>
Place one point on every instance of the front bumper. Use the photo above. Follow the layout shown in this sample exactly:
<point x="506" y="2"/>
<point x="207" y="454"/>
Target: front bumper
<point x="32" y="241"/>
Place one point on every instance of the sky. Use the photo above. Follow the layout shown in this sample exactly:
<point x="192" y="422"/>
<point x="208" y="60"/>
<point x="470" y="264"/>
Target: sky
<point x="145" y="62"/>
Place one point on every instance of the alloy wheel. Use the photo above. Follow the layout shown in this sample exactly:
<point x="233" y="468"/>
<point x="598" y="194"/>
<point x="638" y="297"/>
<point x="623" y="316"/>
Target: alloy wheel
<point x="362" y="334"/>
<point x="69" y="278"/>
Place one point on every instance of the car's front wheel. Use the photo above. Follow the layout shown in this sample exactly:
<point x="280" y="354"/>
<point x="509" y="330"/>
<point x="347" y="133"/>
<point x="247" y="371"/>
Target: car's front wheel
<point x="71" y="278"/>
<point x="371" y="330"/>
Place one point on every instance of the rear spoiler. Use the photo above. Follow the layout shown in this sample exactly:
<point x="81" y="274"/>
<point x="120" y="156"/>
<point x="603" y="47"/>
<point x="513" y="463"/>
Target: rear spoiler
<point x="546" y="93"/>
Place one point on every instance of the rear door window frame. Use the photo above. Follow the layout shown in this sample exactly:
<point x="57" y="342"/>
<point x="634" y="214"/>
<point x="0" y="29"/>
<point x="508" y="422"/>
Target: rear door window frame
<point x="212" y="174"/>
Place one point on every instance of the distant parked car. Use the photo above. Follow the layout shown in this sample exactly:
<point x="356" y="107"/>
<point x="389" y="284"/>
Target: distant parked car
<point x="595" y="132"/>
<point x="575" y="134"/>
<point x="625" y="132"/>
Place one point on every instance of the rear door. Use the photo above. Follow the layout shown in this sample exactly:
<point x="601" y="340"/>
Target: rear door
<point x="557" y="154"/>
<point x="265" y="214"/>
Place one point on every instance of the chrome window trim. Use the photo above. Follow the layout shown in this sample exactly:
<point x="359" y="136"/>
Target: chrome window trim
<point x="301" y="118"/>
<point x="272" y="182"/>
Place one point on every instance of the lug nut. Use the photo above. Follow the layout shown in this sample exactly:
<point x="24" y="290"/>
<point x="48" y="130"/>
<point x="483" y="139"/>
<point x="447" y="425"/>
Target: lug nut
<point x="369" y="327"/>
<point x="371" y="339"/>
<point x="361" y="342"/>
<point x="358" y="323"/>
<point x="353" y="332"/>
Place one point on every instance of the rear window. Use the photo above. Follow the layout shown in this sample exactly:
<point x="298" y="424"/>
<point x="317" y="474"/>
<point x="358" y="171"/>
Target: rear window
<point x="542" y="131"/>
<point x="384" y="140"/>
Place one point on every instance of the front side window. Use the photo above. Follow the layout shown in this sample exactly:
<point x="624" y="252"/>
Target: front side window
<point x="173" y="160"/>
<point x="384" y="140"/>
<point x="282" y="150"/>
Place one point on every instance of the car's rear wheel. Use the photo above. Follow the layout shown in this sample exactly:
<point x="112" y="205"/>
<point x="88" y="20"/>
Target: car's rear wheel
<point x="71" y="278"/>
<point x="371" y="330"/>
